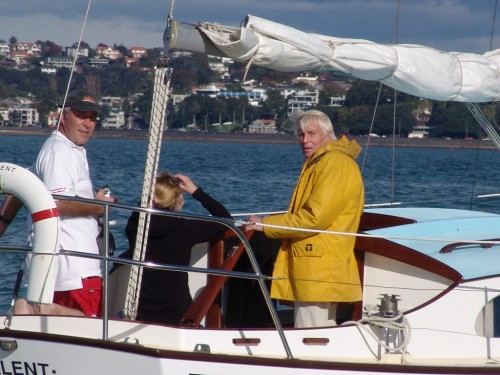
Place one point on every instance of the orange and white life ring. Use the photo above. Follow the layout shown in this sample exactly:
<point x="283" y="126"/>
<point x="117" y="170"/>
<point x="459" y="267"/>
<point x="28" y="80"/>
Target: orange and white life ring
<point x="27" y="187"/>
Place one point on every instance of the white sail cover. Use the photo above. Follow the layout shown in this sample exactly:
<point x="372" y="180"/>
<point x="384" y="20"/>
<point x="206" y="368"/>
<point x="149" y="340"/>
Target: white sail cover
<point x="414" y="69"/>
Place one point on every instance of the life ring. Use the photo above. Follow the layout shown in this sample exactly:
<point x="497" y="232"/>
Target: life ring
<point x="27" y="187"/>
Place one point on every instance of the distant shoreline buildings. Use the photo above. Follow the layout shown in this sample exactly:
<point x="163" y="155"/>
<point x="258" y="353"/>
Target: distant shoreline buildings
<point x="302" y="94"/>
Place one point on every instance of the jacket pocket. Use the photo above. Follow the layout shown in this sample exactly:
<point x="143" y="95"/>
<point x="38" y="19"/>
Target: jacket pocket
<point x="308" y="248"/>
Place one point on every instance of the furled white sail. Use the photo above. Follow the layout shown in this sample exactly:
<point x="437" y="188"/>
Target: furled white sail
<point x="414" y="69"/>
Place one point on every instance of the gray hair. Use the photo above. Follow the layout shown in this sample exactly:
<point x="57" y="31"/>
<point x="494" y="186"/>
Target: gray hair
<point x="302" y="119"/>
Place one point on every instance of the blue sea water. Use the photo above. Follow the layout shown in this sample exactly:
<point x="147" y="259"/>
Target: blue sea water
<point x="249" y="177"/>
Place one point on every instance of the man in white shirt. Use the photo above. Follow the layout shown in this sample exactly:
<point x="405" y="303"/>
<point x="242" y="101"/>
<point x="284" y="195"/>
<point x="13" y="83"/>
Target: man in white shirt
<point x="62" y="166"/>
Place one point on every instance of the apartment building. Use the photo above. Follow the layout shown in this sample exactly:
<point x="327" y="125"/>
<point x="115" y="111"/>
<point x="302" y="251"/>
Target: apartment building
<point x="18" y="112"/>
<point x="115" y="118"/>
<point x="302" y="100"/>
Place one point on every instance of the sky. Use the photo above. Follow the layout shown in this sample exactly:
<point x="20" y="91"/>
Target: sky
<point x="449" y="25"/>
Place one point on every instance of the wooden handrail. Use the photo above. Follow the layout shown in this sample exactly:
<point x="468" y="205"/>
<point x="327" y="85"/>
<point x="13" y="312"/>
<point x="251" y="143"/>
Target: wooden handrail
<point x="205" y="299"/>
<point x="453" y="246"/>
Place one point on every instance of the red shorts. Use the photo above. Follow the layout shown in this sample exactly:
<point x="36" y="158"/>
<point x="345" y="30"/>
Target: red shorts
<point x="88" y="299"/>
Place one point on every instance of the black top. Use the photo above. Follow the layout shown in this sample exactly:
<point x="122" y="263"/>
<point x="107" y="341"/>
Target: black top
<point x="164" y="295"/>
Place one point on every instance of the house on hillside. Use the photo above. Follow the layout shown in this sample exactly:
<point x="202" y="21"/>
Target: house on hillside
<point x="306" y="79"/>
<point x="302" y="100"/>
<point x="53" y="119"/>
<point x="20" y="57"/>
<point x="138" y="52"/>
<point x="263" y="126"/>
<point x="102" y="50"/>
<point x="31" y="49"/>
<point x="4" y="50"/>
<point x="337" y="101"/>
<point x="72" y="51"/>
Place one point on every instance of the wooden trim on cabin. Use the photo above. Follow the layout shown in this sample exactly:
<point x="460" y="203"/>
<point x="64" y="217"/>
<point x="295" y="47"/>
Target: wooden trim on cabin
<point x="389" y="249"/>
<point x="371" y="221"/>
<point x="406" y="255"/>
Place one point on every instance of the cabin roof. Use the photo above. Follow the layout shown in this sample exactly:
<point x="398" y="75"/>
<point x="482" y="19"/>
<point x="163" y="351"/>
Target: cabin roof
<point x="442" y="235"/>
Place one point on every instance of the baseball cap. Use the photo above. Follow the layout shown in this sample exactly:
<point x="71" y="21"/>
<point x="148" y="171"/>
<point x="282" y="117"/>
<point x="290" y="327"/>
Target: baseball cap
<point x="82" y="100"/>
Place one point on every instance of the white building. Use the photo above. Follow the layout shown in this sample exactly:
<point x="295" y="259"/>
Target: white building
<point x="4" y="115"/>
<point x="114" y="102"/>
<point x="58" y="62"/>
<point x="263" y="126"/>
<point x="211" y="90"/>
<point x="72" y="51"/>
<point x="307" y="79"/>
<point x="53" y="118"/>
<point x="26" y="115"/>
<point x="337" y="101"/>
<point x="29" y="116"/>
<point x="115" y="118"/>
<point x="4" y="50"/>
<point x="48" y="70"/>
<point x="256" y="96"/>
<point x="302" y="100"/>
<point x="138" y="52"/>
<point x="108" y="52"/>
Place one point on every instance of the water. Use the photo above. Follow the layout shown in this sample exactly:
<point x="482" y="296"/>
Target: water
<point x="260" y="177"/>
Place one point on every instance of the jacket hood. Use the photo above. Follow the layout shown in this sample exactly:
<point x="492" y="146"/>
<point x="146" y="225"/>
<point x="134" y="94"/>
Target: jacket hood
<point x="343" y="144"/>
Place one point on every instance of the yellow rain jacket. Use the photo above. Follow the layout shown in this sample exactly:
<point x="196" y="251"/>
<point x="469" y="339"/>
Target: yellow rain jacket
<point x="329" y="196"/>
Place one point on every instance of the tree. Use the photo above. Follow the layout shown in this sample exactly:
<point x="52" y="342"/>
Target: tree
<point x="330" y="89"/>
<point x="194" y="108"/>
<point x="452" y="119"/>
<point x="143" y="104"/>
<point x="275" y="107"/>
<point x="220" y="107"/>
<point x="242" y="106"/>
<point x="14" y="118"/>
<point x="82" y="45"/>
<point x="190" y="71"/>
<point x="49" y="49"/>
<point x="123" y="50"/>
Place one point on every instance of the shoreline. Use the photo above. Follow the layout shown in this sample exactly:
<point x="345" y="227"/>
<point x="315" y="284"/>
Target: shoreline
<point x="265" y="138"/>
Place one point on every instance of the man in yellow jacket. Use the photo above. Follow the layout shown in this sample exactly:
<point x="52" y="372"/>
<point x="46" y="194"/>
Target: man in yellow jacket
<point x="316" y="269"/>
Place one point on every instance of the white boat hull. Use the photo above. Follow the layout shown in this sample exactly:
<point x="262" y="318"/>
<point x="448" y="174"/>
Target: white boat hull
<point x="75" y="347"/>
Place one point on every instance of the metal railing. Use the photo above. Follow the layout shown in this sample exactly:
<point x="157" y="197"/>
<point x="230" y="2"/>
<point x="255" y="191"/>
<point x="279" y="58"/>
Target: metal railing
<point x="109" y="260"/>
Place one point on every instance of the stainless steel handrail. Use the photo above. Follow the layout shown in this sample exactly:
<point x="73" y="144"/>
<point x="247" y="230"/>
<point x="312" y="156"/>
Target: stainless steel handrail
<point x="108" y="259"/>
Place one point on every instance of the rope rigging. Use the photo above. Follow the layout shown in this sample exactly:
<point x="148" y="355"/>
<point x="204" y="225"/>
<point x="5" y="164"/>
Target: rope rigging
<point x="156" y="127"/>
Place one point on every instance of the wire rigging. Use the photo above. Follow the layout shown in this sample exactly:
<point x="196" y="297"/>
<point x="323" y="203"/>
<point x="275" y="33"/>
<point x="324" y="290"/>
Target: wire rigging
<point x="75" y="58"/>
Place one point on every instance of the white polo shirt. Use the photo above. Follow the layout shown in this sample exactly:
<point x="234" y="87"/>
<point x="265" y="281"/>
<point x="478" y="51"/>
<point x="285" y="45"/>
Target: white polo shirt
<point x="63" y="168"/>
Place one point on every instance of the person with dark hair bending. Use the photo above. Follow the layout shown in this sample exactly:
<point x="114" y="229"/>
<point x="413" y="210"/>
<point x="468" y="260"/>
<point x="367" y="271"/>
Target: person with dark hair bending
<point x="164" y="296"/>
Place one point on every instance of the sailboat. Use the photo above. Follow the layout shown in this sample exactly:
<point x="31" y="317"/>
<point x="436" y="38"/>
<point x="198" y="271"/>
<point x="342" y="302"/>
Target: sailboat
<point x="431" y="277"/>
